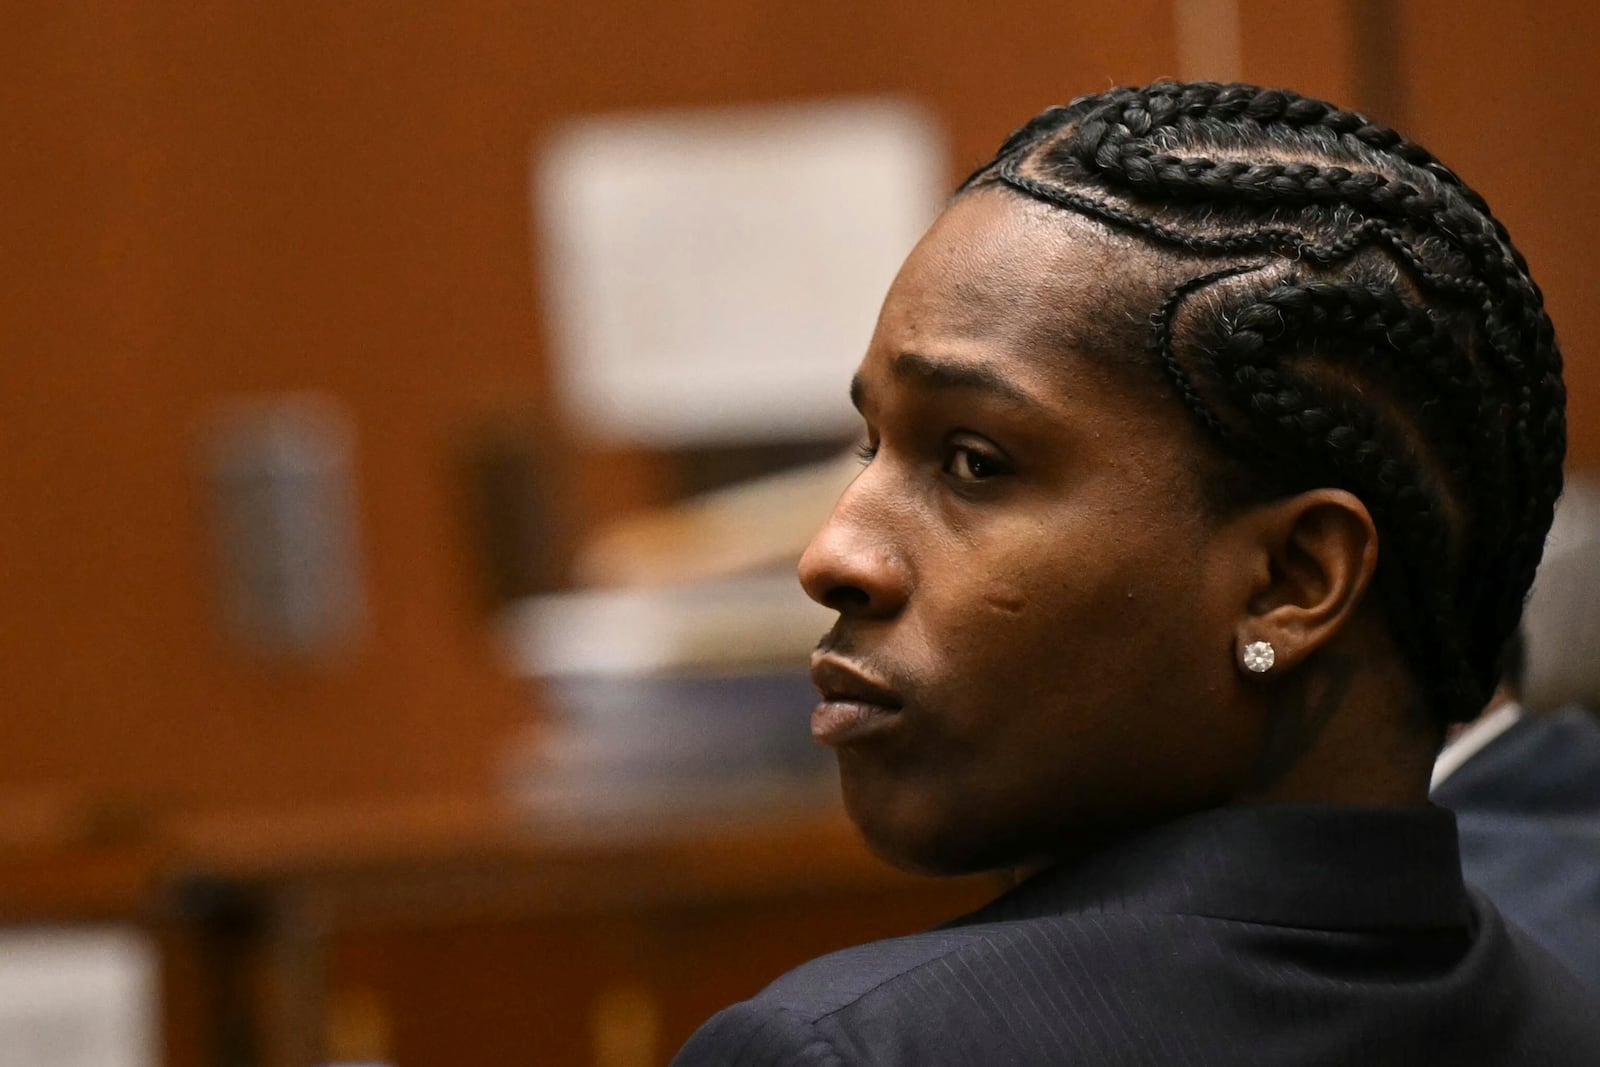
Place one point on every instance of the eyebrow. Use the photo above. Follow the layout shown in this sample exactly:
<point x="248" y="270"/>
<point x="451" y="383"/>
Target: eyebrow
<point x="935" y="374"/>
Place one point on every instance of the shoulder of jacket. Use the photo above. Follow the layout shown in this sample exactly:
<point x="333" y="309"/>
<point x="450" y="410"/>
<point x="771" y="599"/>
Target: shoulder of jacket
<point x="754" y="1033"/>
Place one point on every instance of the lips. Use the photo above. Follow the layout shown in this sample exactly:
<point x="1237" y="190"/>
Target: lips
<point x="854" y="706"/>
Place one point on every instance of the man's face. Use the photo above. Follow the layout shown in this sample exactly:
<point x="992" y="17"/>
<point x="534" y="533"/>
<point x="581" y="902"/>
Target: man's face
<point x="1034" y="642"/>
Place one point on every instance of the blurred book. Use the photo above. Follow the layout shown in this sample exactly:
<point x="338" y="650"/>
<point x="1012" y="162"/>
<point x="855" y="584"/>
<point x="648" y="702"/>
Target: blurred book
<point x="669" y="697"/>
<point x="761" y="524"/>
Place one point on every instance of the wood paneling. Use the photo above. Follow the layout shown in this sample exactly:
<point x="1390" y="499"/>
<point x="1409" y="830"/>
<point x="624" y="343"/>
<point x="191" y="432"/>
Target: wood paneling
<point x="1509" y="95"/>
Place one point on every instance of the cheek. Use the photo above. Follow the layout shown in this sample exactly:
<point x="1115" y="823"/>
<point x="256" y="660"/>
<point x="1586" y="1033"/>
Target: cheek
<point x="1005" y="598"/>
<point x="1010" y="653"/>
<point x="1075" y="644"/>
<point x="1016" y="575"/>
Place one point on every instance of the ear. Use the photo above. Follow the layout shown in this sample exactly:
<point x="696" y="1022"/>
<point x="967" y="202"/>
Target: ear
<point x="1313" y="559"/>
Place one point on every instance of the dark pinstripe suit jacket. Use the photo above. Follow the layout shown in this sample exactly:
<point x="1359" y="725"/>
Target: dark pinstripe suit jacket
<point x="1528" y="811"/>
<point x="1241" y="936"/>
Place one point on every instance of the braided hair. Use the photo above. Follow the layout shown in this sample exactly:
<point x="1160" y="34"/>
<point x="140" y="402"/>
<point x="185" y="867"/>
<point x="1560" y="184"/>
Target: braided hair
<point x="1342" y="311"/>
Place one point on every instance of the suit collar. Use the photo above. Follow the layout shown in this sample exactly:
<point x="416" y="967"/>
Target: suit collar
<point x="1332" y="868"/>
<point x="1541" y="765"/>
<point x="1474" y="739"/>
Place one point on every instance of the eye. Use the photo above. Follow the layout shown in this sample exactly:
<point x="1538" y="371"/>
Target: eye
<point x="866" y="451"/>
<point x="966" y="463"/>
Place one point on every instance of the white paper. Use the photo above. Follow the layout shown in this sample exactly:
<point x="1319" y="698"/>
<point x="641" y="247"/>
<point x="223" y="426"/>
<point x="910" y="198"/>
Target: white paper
<point x="78" y="998"/>
<point x="714" y="276"/>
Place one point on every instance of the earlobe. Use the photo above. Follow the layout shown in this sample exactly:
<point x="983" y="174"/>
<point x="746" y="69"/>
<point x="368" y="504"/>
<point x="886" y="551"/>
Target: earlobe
<point x="1319" y="550"/>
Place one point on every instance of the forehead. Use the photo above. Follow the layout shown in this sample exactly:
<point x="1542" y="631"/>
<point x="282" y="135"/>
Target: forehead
<point x="1000" y="268"/>
<point x="1045" y="312"/>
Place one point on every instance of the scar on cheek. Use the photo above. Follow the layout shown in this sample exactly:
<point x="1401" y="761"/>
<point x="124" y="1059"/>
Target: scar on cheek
<point x="1005" y="599"/>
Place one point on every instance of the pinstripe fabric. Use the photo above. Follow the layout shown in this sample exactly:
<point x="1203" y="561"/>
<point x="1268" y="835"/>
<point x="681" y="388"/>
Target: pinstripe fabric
<point x="1528" y="808"/>
<point x="1307" y="936"/>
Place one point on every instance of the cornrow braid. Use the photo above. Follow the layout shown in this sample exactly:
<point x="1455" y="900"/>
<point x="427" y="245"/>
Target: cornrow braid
<point x="1358" y="447"/>
<point x="1344" y="310"/>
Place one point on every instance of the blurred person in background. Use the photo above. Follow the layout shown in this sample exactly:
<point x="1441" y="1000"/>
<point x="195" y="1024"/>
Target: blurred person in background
<point x="1212" y="437"/>
<point x="1525" y="784"/>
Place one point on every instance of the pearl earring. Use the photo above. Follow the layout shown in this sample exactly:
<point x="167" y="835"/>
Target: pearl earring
<point x="1259" y="657"/>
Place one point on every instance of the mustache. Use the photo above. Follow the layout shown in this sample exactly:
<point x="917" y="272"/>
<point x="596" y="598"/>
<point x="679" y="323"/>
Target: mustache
<point x="843" y="642"/>
<point x="840" y="641"/>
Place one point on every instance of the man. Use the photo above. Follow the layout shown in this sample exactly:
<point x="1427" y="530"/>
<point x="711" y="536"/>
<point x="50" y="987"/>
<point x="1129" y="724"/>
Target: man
<point x="1525" y="785"/>
<point x="1140" y="410"/>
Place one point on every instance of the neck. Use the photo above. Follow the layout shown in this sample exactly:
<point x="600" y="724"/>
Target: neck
<point x="1347" y="728"/>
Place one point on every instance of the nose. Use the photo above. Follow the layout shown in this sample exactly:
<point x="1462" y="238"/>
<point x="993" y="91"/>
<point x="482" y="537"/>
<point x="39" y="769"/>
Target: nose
<point x="855" y="563"/>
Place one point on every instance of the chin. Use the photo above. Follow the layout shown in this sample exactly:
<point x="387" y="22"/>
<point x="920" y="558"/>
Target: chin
<point x="923" y="839"/>
<point x="916" y="856"/>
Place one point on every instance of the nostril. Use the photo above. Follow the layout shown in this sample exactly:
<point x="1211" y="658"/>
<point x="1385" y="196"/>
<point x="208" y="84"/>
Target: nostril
<point x="846" y="599"/>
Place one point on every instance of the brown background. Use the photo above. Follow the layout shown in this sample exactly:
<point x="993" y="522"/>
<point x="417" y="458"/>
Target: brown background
<point x="203" y="201"/>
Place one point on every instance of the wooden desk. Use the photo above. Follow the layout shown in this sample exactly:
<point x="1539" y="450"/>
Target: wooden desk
<point x="465" y="934"/>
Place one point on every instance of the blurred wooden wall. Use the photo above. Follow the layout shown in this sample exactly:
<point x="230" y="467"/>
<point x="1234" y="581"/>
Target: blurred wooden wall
<point x="207" y="201"/>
